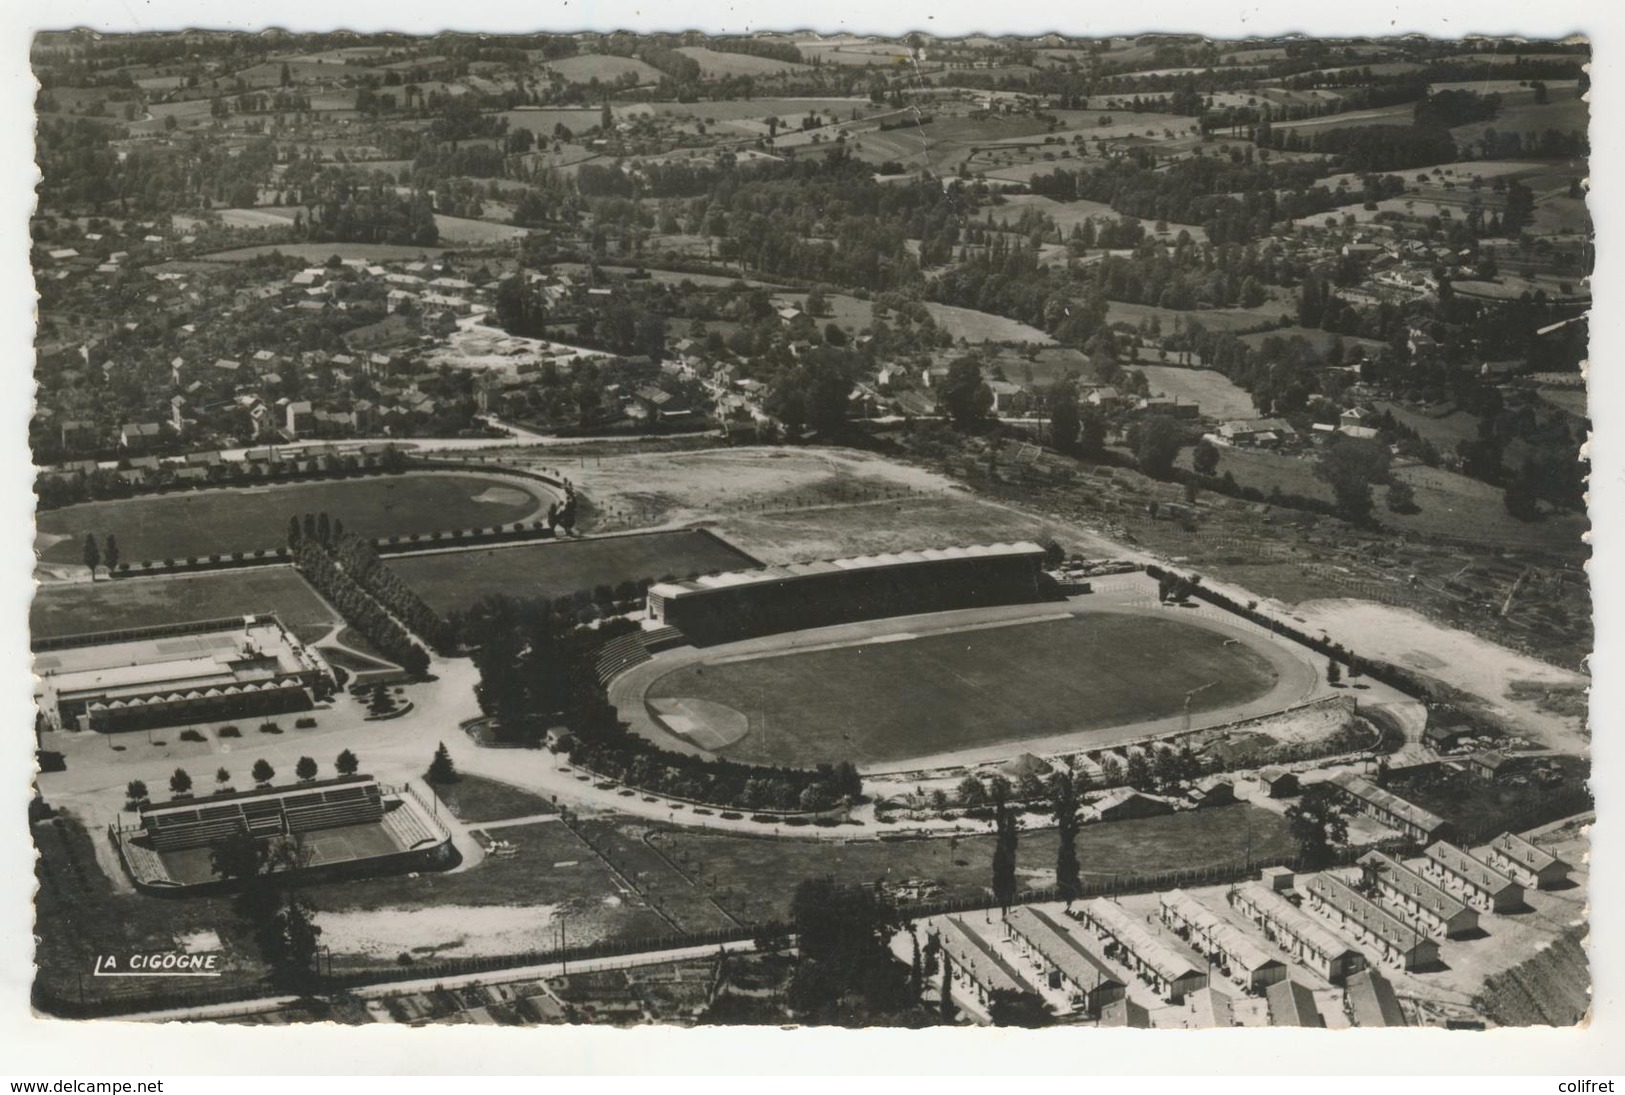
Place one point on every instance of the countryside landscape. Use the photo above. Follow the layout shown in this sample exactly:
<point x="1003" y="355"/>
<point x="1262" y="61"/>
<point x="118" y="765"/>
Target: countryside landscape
<point x="781" y="528"/>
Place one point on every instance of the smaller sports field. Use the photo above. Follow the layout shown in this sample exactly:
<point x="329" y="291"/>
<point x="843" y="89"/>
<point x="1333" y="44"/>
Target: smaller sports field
<point x="225" y="520"/>
<point x="451" y="581"/>
<point x="75" y="608"/>
<point x="903" y="695"/>
<point x="192" y="866"/>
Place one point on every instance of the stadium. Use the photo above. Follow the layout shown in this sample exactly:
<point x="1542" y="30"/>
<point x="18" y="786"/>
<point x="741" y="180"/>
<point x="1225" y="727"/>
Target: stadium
<point x="347" y="826"/>
<point x="166" y="675"/>
<point x="931" y="659"/>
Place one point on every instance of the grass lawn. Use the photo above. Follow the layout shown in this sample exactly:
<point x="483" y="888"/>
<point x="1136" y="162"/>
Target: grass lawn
<point x="755" y="877"/>
<point x="79" y="607"/>
<point x="974" y="326"/>
<point x="1217" y="395"/>
<point x="79" y="916"/>
<point x="232" y="519"/>
<point x="551" y="867"/>
<point x="938" y="693"/>
<point x="455" y="580"/>
<point x="1211" y="319"/>
<point x="476" y="799"/>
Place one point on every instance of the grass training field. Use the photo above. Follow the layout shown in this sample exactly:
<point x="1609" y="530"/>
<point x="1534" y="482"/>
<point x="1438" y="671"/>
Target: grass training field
<point x="79" y="607"/>
<point x="232" y="519"/>
<point x="892" y="700"/>
<point x="754" y="878"/>
<point x="456" y="580"/>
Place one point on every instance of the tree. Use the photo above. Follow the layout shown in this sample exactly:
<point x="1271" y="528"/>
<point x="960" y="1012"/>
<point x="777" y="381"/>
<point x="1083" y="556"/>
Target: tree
<point x="1156" y="442"/>
<point x="1401" y="497"/>
<point x="110" y="554"/>
<point x="222" y="777"/>
<point x="1018" y="1008"/>
<point x="1317" y="824"/>
<point x="1091" y="432"/>
<point x="294" y="536"/>
<point x="346" y="764"/>
<point x="1334" y="673"/>
<point x="135" y="791"/>
<point x="305" y="769"/>
<point x="964" y="395"/>
<point x="1139" y="774"/>
<point x="93" y="554"/>
<point x="1064" y="798"/>
<point x="1352" y="465"/>
<point x="1205" y="459"/>
<point x="1006" y="828"/>
<point x="441" y="769"/>
<point x="843" y="932"/>
<point x="1063" y="416"/>
<point x="324" y="529"/>
<point x="180" y="783"/>
<point x="262" y="771"/>
<point x="972" y="792"/>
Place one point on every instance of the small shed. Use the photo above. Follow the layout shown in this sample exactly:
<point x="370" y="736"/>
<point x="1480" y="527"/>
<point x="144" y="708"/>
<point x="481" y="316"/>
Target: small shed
<point x="1278" y="879"/>
<point x="1279" y="783"/>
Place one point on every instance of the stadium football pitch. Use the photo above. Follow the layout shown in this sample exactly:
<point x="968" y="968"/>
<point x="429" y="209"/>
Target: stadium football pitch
<point x="909" y="696"/>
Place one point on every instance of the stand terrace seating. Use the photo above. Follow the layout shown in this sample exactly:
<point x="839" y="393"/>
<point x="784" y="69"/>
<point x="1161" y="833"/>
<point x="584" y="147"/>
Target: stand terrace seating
<point x="172" y="826"/>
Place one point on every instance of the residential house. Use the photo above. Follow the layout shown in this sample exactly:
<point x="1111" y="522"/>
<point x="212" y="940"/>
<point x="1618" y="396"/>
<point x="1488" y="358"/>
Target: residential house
<point x="1526" y="862"/>
<point x="139" y="435"/>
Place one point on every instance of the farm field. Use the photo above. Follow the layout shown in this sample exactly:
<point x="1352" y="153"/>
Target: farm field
<point x="1216" y="394"/>
<point x="603" y="67"/>
<point x="974" y="326"/>
<point x="1320" y="340"/>
<point x="466" y="230"/>
<point x="321" y="252"/>
<point x="714" y="63"/>
<point x="1212" y="319"/>
<point x="226" y="520"/>
<point x="755" y="877"/>
<point x="892" y="700"/>
<point x="455" y="580"/>
<point x="279" y="217"/>
<point x="75" y="608"/>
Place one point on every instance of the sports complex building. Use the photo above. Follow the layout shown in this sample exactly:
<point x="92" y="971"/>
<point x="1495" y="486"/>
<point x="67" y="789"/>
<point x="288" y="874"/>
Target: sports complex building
<point x="342" y="825"/>
<point x="736" y="605"/>
<point x="161" y="676"/>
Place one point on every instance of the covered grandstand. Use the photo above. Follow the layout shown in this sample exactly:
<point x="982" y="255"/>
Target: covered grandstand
<point x="212" y="669"/>
<point x="740" y="604"/>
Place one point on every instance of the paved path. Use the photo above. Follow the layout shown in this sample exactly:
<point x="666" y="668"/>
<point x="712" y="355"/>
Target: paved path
<point x="491" y="977"/>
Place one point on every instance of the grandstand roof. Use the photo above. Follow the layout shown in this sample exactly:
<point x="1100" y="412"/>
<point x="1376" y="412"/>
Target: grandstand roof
<point x="1059" y="947"/>
<point x="1168" y="963"/>
<point x="220" y="658"/>
<point x="1471" y="870"/>
<point x="792" y="571"/>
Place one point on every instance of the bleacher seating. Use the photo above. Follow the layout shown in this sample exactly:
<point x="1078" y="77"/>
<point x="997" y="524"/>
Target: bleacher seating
<point x="663" y="638"/>
<point x="144" y="863"/>
<point x="619" y="655"/>
<point x="296" y="811"/>
<point x="404" y="825"/>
